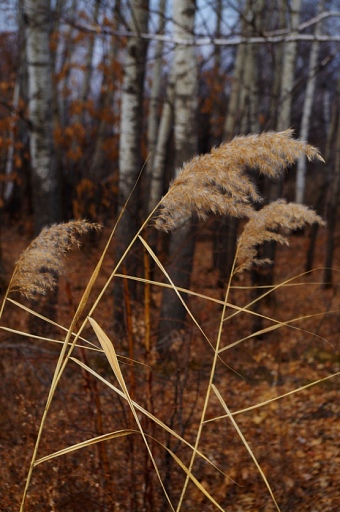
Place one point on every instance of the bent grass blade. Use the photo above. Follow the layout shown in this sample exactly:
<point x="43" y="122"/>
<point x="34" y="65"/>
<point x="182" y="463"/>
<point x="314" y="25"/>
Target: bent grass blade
<point x="266" y="402"/>
<point x="111" y="355"/>
<point x="251" y="453"/>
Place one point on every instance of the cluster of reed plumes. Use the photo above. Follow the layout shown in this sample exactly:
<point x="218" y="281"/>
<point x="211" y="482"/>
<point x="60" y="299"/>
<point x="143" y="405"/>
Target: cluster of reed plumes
<point x="217" y="183"/>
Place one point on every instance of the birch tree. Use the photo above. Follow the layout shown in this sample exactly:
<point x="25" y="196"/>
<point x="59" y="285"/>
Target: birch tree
<point x="288" y="70"/>
<point x="160" y="149"/>
<point x="307" y="111"/>
<point x="154" y="103"/>
<point x="274" y="189"/>
<point x="132" y="96"/>
<point x="107" y="101"/>
<point x="241" y="118"/>
<point x="130" y="161"/>
<point x="332" y="198"/>
<point x="44" y="179"/>
<point x="185" y="138"/>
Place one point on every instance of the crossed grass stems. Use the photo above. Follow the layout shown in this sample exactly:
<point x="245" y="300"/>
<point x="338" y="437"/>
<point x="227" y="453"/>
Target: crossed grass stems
<point x="217" y="183"/>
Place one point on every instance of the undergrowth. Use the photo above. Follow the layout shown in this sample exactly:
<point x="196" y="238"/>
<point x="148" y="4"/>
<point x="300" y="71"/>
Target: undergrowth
<point x="216" y="183"/>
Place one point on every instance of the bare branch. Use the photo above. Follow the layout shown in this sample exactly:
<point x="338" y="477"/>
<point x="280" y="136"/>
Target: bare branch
<point x="278" y="36"/>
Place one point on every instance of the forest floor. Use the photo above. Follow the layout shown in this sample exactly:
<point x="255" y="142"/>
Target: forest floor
<point x="295" y="439"/>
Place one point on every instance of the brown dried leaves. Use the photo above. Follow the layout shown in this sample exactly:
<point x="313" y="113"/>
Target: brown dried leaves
<point x="217" y="182"/>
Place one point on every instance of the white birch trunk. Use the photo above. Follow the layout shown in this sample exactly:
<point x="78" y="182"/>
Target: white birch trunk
<point x="131" y="107"/>
<point x="242" y="114"/>
<point x="107" y="103"/>
<point x="186" y="84"/>
<point x="185" y="134"/>
<point x="288" y="68"/>
<point x="45" y="192"/>
<point x="130" y="161"/>
<point x="153" y="115"/>
<point x="285" y="101"/>
<point x="86" y="83"/>
<point x="159" y="161"/>
<point x="242" y="117"/>
<point x="307" y="112"/>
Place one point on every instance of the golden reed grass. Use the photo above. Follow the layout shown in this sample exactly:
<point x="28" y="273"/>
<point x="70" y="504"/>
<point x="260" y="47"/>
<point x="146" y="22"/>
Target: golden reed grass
<point x="218" y="182"/>
<point x="40" y="265"/>
<point x="264" y="225"/>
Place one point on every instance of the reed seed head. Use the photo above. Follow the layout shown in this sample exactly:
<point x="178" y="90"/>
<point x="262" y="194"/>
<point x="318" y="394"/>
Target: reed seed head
<point x="264" y="226"/>
<point x="218" y="182"/>
<point x="40" y="265"/>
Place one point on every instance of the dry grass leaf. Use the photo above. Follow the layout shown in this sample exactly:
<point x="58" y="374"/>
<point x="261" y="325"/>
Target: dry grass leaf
<point x="88" y="442"/>
<point x="246" y="444"/>
<point x="218" y="183"/>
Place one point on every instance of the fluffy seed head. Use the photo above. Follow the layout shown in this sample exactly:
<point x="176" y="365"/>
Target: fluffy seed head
<point x="218" y="183"/>
<point x="40" y="265"/>
<point x="264" y="226"/>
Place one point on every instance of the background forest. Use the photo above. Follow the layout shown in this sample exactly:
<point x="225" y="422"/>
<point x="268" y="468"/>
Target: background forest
<point x="102" y="103"/>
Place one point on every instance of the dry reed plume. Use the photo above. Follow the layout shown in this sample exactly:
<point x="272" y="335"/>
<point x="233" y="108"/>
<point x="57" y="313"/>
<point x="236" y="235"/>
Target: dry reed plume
<point x="40" y="265"/>
<point x="217" y="182"/>
<point x="264" y="225"/>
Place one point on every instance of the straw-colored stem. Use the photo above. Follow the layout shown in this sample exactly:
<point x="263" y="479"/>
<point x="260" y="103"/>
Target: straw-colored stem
<point x="63" y="360"/>
<point x="209" y="388"/>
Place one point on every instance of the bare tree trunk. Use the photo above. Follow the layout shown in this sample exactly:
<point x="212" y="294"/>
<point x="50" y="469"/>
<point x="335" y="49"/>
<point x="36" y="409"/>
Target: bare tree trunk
<point x="16" y="192"/>
<point x="45" y="189"/>
<point x="277" y="72"/>
<point x="216" y="134"/>
<point x="164" y="132"/>
<point x="225" y="229"/>
<point x="88" y="68"/>
<point x="287" y="82"/>
<point x="160" y="162"/>
<point x="307" y="111"/>
<point x="9" y="185"/>
<point x="185" y="132"/>
<point x="242" y="117"/>
<point x="274" y="189"/>
<point x="85" y="89"/>
<point x="285" y="100"/>
<point x="130" y="141"/>
<point x="107" y="101"/>
<point x="333" y="189"/>
<point x="154" y="106"/>
<point x="332" y="216"/>
<point x="288" y="69"/>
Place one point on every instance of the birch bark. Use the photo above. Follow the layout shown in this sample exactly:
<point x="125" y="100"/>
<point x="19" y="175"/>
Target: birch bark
<point x="241" y="118"/>
<point x="307" y="112"/>
<point x="288" y="69"/>
<point x="274" y="189"/>
<point x="107" y="100"/>
<point x="181" y="248"/>
<point x="153" y="117"/>
<point x="130" y="160"/>
<point x="164" y="132"/>
<point x="131" y="108"/>
<point x="44" y="179"/>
